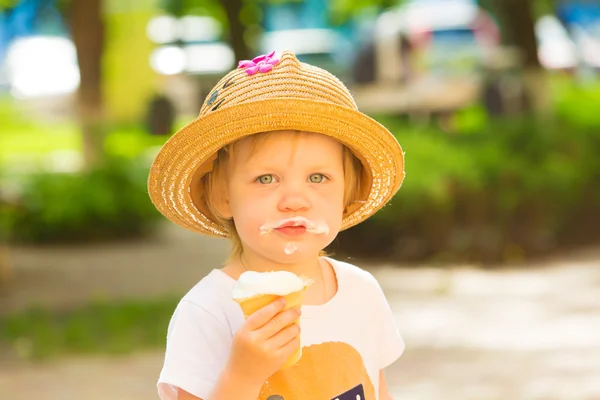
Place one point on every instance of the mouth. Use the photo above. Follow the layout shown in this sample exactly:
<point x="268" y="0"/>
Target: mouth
<point x="293" y="223"/>
<point x="293" y="227"/>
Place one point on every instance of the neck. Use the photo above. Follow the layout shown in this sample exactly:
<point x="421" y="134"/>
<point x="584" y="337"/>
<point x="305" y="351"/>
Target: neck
<point x="308" y="266"/>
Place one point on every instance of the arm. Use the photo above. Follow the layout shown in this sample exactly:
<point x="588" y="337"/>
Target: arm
<point x="230" y="386"/>
<point x="384" y="393"/>
<point x="227" y="387"/>
<point x="260" y="347"/>
<point x="183" y="395"/>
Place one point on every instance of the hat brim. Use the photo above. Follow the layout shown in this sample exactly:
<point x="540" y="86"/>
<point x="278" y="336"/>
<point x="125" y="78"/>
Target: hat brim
<point x="178" y="160"/>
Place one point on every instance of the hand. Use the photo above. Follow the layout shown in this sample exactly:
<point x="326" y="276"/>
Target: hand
<point x="264" y="342"/>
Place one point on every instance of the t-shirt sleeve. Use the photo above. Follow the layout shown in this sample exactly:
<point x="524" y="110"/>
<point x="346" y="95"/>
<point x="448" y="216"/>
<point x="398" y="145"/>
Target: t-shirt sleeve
<point x="391" y="345"/>
<point x="198" y="346"/>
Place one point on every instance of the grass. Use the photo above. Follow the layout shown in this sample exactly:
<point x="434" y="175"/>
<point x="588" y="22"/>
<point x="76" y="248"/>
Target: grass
<point x="97" y="328"/>
<point x="25" y="140"/>
<point x="35" y="142"/>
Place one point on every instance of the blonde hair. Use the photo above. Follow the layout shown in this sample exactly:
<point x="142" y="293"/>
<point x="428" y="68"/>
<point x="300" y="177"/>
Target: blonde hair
<point x="214" y="180"/>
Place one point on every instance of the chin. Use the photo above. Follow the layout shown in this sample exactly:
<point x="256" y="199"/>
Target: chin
<point x="306" y="248"/>
<point x="296" y="251"/>
<point x="302" y="254"/>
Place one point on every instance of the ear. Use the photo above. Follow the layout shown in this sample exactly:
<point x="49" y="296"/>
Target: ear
<point x="221" y="202"/>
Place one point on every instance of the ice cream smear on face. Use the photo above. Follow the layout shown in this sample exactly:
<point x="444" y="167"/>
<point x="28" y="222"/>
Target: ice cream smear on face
<point x="314" y="227"/>
<point x="290" y="248"/>
<point x="279" y="283"/>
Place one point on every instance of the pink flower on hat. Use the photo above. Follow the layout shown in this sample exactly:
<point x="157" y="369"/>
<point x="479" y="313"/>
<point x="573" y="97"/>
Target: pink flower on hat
<point x="262" y="63"/>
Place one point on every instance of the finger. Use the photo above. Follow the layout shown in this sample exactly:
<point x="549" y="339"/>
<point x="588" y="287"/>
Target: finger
<point x="260" y="317"/>
<point x="290" y="347"/>
<point x="281" y="338"/>
<point x="279" y="322"/>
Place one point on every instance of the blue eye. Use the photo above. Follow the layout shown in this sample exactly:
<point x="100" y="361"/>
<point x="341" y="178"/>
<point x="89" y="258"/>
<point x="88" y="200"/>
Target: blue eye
<point x="265" y="179"/>
<point x="317" y="178"/>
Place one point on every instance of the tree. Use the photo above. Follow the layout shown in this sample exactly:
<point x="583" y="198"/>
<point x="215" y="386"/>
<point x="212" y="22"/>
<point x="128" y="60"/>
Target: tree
<point x="233" y="9"/>
<point x="87" y="29"/>
<point x="340" y="11"/>
<point x="518" y="28"/>
<point x="517" y="25"/>
<point x="230" y="9"/>
<point x="85" y="21"/>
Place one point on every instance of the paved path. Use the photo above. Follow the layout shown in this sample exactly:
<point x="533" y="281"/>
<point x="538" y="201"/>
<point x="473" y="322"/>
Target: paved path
<point x="62" y="277"/>
<point x="526" y="333"/>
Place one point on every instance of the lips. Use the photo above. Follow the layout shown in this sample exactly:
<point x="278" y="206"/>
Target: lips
<point x="295" y="225"/>
<point x="292" y="223"/>
<point x="290" y="229"/>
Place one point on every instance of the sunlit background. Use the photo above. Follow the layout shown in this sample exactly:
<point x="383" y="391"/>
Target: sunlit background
<point x="489" y="255"/>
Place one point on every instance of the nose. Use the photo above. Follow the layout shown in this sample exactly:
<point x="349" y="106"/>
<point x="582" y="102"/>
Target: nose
<point x="293" y="198"/>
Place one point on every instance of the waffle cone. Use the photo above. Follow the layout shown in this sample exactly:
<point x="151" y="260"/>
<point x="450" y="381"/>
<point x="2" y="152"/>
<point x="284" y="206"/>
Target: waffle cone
<point x="252" y="304"/>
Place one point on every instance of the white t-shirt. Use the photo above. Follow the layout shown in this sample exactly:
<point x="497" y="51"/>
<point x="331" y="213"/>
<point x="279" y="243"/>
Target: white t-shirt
<point x="345" y="342"/>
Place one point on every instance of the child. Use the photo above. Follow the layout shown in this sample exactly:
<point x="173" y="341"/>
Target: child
<point x="279" y="160"/>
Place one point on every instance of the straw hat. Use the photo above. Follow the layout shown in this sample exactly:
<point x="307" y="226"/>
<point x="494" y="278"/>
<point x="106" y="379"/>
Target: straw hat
<point x="272" y="94"/>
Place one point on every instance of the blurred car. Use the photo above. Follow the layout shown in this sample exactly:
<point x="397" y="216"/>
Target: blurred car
<point x="444" y="36"/>
<point x="425" y="55"/>
<point x="452" y="35"/>
<point x="588" y="41"/>
<point x="556" y="48"/>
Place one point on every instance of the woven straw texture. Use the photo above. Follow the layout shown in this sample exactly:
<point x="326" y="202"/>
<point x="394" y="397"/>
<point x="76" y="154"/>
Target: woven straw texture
<point x="292" y="96"/>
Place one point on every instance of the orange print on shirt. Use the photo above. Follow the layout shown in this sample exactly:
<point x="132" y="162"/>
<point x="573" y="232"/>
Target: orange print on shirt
<point x="331" y="370"/>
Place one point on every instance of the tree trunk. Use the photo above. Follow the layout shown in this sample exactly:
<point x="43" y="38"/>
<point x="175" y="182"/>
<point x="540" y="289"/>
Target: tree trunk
<point x="87" y="28"/>
<point x="6" y="268"/>
<point x="517" y="25"/>
<point x="236" y="29"/>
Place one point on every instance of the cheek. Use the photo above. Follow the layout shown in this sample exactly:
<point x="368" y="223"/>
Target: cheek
<point x="332" y="207"/>
<point x="334" y="220"/>
<point x="248" y="214"/>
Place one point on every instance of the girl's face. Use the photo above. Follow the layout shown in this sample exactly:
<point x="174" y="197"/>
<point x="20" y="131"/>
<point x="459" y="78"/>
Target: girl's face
<point x="286" y="175"/>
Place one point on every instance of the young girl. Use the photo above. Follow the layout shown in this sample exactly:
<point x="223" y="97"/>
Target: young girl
<point x="279" y="161"/>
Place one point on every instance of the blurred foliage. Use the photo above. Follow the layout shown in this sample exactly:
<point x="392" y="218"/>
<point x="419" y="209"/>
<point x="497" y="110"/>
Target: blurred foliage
<point x="340" y="11"/>
<point x="8" y="3"/>
<point x="493" y="190"/>
<point x="26" y="140"/>
<point x="108" y="202"/>
<point x="179" y="8"/>
<point x="343" y="10"/>
<point x="514" y="189"/>
<point x="100" y="327"/>
<point x="490" y="190"/>
<point x="540" y="7"/>
<point x="577" y="104"/>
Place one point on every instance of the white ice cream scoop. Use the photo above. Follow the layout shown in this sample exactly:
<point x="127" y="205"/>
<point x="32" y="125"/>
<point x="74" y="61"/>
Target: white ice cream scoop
<point x="279" y="283"/>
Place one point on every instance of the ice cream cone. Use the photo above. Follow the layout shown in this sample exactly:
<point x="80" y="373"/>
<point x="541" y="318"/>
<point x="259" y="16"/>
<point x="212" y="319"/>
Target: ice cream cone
<point x="252" y="304"/>
<point x="255" y="303"/>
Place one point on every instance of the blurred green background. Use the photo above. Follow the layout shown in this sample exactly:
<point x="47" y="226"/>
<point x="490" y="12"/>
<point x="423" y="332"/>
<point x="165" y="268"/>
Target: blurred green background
<point x="495" y="104"/>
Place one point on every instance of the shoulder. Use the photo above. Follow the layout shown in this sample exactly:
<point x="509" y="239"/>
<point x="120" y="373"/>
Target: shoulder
<point x="211" y="296"/>
<point x="354" y="276"/>
<point x="213" y="288"/>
